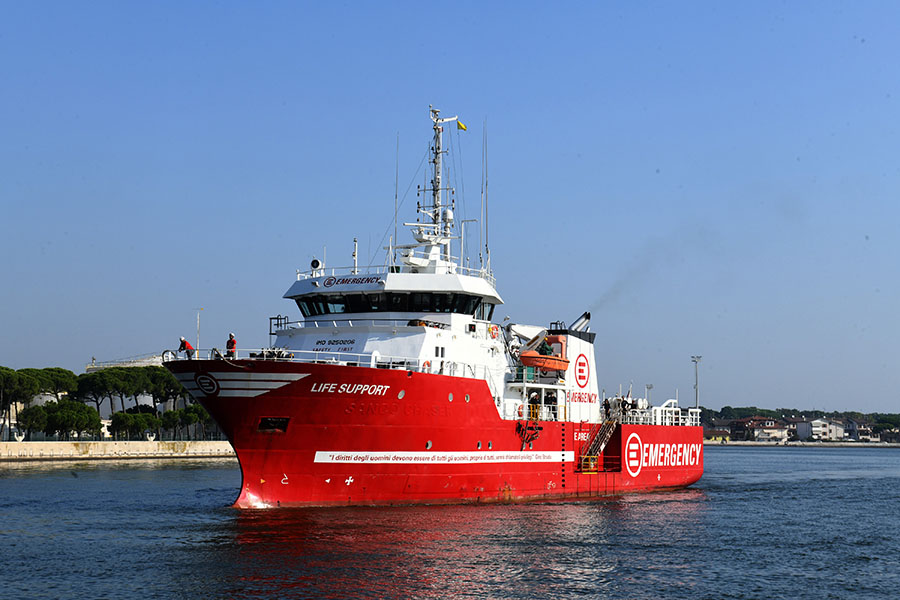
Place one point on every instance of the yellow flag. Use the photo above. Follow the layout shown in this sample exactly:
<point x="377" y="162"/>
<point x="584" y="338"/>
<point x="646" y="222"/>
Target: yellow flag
<point x="459" y="125"/>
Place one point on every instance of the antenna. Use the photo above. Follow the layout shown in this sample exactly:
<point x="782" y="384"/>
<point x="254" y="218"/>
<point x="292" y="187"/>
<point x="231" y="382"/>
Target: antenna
<point x="462" y="241"/>
<point x="487" y="245"/>
<point x="396" y="182"/>
<point x="481" y="214"/>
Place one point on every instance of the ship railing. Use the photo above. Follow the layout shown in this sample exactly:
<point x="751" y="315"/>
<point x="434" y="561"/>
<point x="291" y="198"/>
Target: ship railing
<point x="666" y="414"/>
<point x="533" y="412"/>
<point x="589" y="464"/>
<point x="452" y="267"/>
<point x="523" y="374"/>
<point x="375" y="360"/>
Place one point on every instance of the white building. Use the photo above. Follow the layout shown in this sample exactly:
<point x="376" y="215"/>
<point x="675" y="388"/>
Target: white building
<point x="773" y="433"/>
<point x="820" y="429"/>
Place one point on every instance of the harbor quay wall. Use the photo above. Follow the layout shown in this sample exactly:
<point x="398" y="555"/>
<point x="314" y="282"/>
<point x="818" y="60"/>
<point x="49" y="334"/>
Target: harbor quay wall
<point x="109" y="450"/>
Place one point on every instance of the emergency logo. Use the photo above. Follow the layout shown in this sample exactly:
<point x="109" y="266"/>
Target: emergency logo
<point x="639" y="455"/>
<point x="633" y="454"/>
<point x="332" y="281"/>
<point x="582" y="370"/>
<point x="207" y="384"/>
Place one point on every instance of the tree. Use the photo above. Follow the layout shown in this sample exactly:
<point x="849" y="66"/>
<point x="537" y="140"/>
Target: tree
<point x="33" y="418"/>
<point x="145" y="417"/>
<point x="41" y="379"/>
<point x="88" y="419"/>
<point x="120" y="383"/>
<point x="17" y="387"/>
<point x="162" y="385"/>
<point x="68" y="416"/>
<point x="120" y="422"/>
<point x="138" y="383"/>
<point x="60" y="381"/>
<point x="171" y="421"/>
<point x="6" y="376"/>
<point x="93" y="387"/>
<point x="189" y="417"/>
<point x="146" y="421"/>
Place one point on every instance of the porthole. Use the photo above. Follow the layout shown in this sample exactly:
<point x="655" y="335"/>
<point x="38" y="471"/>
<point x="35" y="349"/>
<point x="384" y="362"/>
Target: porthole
<point x="490" y="445"/>
<point x="467" y="397"/>
<point x="401" y="394"/>
<point x="479" y="445"/>
<point x="530" y="445"/>
<point x="451" y="396"/>
<point x="428" y="445"/>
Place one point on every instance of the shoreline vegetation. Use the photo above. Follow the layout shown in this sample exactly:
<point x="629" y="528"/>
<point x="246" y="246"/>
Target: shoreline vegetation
<point x="142" y="402"/>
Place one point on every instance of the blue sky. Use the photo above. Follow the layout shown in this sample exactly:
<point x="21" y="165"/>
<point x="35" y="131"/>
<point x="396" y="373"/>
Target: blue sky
<point x="707" y="178"/>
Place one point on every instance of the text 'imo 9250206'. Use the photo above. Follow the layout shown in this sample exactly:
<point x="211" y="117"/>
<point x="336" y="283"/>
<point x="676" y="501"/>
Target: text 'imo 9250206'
<point x="398" y="388"/>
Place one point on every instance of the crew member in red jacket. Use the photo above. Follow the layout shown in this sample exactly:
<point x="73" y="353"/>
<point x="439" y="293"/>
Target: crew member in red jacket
<point x="230" y="346"/>
<point x="186" y="348"/>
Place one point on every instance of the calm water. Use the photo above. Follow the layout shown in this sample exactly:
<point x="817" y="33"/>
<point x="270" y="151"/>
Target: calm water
<point x="762" y="523"/>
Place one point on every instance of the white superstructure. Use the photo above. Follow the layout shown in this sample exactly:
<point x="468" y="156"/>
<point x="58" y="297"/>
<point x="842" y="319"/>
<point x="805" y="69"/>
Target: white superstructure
<point x="425" y="312"/>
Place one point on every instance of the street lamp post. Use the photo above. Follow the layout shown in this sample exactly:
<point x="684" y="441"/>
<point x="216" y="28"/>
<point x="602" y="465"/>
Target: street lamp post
<point x="696" y="361"/>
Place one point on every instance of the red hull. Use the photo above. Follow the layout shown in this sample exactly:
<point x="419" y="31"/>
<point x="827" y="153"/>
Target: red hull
<point x="319" y="434"/>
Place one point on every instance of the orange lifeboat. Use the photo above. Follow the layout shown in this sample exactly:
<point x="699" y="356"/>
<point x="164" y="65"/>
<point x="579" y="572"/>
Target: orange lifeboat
<point x="531" y="358"/>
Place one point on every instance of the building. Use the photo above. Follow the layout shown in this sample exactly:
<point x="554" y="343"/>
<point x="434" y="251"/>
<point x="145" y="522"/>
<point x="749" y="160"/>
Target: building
<point x="144" y="360"/>
<point x="771" y="433"/>
<point x="716" y="434"/>
<point x="820" y="430"/>
<point x="891" y="436"/>
<point x="791" y="424"/>
<point x="860" y="431"/>
<point x="743" y="429"/>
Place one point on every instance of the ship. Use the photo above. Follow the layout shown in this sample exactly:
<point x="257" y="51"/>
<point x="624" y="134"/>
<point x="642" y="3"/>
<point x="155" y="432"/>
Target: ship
<point x="397" y="386"/>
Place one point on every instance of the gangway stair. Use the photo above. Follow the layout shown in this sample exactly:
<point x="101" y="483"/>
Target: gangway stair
<point x="600" y="435"/>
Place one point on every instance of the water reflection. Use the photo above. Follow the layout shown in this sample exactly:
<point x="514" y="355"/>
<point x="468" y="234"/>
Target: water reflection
<point x="757" y="523"/>
<point x="515" y="551"/>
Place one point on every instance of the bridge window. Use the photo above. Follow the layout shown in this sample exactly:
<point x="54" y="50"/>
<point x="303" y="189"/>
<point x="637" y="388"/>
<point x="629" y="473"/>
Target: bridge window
<point x="485" y="311"/>
<point x="314" y="305"/>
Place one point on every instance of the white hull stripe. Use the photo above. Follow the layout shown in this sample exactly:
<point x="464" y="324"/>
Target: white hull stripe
<point x="430" y="458"/>
<point x="237" y="385"/>
<point x="259" y="376"/>
<point x="241" y="385"/>
<point x="195" y="391"/>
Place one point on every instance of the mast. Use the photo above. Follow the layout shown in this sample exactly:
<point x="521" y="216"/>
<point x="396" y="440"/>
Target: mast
<point x="441" y="218"/>
<point x="433" y="229"/>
